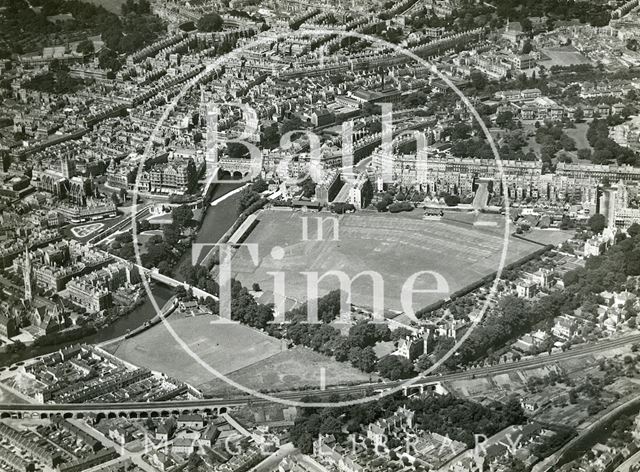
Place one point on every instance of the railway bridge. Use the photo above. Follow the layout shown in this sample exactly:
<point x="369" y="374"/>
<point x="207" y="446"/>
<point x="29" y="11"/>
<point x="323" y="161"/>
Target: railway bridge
<point x="112" y="410"/>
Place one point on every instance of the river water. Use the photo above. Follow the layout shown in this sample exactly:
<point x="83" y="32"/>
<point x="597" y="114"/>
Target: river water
<point x="116" y="329"/>
<point x="217" y="221"/>
<point x="220" y="217"/>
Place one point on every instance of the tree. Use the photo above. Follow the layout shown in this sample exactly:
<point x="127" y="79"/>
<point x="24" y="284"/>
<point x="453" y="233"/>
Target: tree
<point x="270" y="137"/>
<point x="143" y="7"/>
<point x="564" y="157"/>
<point x="341" y="207"/>
<point x="505" y="119"/>
<point x="256" y="287"/>
<point x="424" y="362"/>
<point x="363" y="359"/>
<point x="567" y="142"/>
<point x="513" y="411"/>
<point x="331" y="425"/>
<point x="634" y="230"/>
<point x="451" y="200"/>
<point x="164" y="267"/>
<point x="382" y="206"/>
<point x="171" y="234"/>
<point x="478" y="80"/>
<point x="85" y="47"/>
<point x="210" y="22"/>
<point x="597" y="223"/>
<point x="259" y="186"/>
<point x="400" y="333"/>
<point x="180" y="291"/>
<point x="341" y="351"/>
<point x="584" y="154"/>
<point x="237" y="151"/>
<point x="247" y="198"/>
<point x="182" y="216"/>
<point x="365" y="334"/>
<point x="308" y="188"/>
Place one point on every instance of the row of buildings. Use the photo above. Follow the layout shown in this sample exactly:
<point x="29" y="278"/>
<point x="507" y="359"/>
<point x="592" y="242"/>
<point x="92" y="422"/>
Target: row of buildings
<point x="178" y="175"/>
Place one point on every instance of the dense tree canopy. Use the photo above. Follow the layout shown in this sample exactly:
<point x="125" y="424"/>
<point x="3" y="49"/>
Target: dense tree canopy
<point x="210" y="22"/>
<point x="597" y="223"/>
<point x="182" y="215"/>
<point x="454" y="417"/>
<point x="395" y="367"/>
<point x="25" y="29"/>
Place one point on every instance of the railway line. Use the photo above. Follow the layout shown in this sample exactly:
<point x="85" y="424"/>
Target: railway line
<point x="379" y="388"/>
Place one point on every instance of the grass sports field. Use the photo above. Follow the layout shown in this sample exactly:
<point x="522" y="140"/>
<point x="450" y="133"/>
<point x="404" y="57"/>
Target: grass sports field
<point x="225" y="347"/>
<point x="563" y="56"/>
<point x="394" y="245"/>
<point x="295" y="368"/>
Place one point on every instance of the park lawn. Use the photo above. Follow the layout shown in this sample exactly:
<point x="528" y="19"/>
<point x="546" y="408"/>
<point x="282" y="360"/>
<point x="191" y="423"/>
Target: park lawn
<point x="554" y="237"/>
<point x="294" y="369"/>
<point x="225" y="347"/>
<point x="579" y="134"/>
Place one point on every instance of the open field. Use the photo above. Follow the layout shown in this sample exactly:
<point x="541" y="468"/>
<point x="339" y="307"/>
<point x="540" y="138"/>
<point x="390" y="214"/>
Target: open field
<point x="396" y="246"/>
<point x="554" y="237"/>
<point x="579" y="134"/>
<point x="225" y="347"/>
<point x="563" y="56"/>
<point x="295" y="368"/>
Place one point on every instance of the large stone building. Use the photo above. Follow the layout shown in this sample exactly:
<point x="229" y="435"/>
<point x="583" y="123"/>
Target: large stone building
<point x="94" y="291"/>
<point x="175" y="176"/>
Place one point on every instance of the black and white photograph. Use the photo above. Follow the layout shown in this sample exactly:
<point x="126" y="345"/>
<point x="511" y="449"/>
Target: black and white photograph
<point x="320" y="236"/>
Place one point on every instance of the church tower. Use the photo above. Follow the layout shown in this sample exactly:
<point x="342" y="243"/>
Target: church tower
<point x="67" y="167"/>
<point x="26" y="272"/>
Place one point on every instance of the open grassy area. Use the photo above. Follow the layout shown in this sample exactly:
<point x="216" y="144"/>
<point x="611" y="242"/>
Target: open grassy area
<point x="296" y="368"/>
<point x="563" y="56"/>
<point x="554" y="237"/>
<point x="396" y="246"/>
<point x="579" y="134"/>
<point x="225" y="347"/>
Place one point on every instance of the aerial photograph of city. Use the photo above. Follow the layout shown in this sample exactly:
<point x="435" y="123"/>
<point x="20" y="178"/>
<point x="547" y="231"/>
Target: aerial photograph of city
<point x="329" y="236"/>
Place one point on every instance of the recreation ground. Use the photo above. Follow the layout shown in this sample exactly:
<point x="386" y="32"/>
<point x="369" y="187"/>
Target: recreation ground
<point x="246" y="355"/>
<point x="462" y="248"/>
<point x="225" y="347"/>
